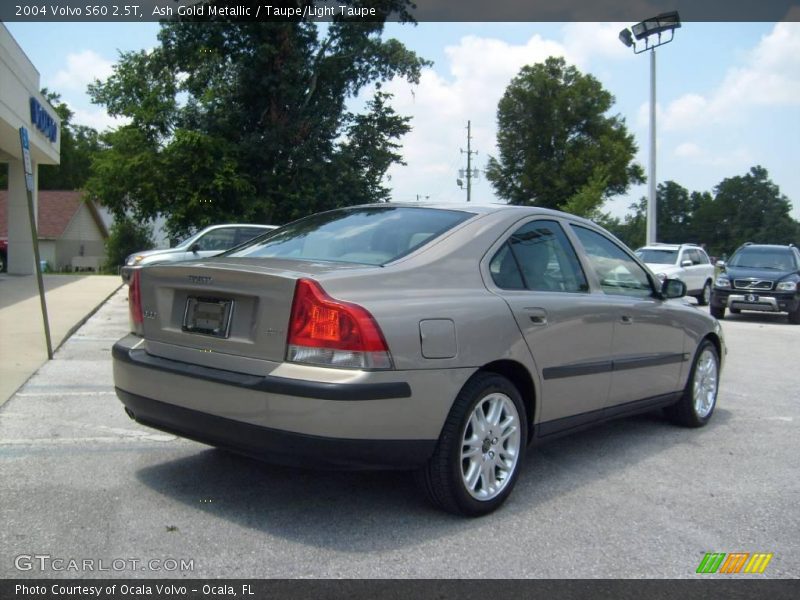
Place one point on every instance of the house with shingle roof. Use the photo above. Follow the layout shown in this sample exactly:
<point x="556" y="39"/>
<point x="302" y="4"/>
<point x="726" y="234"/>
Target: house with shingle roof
<point x="72" y="233"/>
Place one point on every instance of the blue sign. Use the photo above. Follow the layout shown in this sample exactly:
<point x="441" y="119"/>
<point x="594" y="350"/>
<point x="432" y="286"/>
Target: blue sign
<point x="42" y="120"/>
<point x="26" y="158"/>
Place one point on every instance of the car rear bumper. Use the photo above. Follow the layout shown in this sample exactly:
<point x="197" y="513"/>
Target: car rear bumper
<point x="275" y="446"/>
<point x="756" y="301"/>
<point x="386" y="419"/>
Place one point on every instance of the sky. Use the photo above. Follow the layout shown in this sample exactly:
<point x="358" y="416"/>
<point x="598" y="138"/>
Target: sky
<point x="728" y="94"/>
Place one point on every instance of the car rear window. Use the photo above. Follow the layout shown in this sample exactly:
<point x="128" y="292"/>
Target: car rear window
<point x="366" y="235"/>
<point x="657" y="256"/>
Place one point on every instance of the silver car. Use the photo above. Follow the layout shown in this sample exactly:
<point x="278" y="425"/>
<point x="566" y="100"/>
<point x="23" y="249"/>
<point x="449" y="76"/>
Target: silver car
<point x="445" y="339"/>
<point x="206" y="242"/>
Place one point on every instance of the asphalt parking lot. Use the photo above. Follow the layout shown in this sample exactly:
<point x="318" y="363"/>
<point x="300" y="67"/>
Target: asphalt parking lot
<point x="638" y="498"/>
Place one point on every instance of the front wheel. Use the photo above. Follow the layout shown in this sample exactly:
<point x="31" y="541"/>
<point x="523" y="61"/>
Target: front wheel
<point x="718" y="312"/>
<point x="794" y="316"/>
<point x="481" y="449"/>
<point x="699" y="398"/>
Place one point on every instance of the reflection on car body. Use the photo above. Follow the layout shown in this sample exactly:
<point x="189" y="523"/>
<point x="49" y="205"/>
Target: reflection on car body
<point x="442" y="339"/>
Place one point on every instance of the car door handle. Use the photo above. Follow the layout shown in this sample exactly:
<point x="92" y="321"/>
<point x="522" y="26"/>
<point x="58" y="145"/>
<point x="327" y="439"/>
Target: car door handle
<point x="626" y="319"/>
<point x="537" y="316"/>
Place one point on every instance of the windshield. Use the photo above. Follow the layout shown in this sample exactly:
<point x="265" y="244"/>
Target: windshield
<point x="657" y="256"/>
<point x="367" y="235"/>
<point x="767" y="258"/>
<point x="188" y="241"/>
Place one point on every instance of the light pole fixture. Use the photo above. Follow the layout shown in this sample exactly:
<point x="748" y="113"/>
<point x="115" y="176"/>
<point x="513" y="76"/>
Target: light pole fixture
<point x="652" y="33"/>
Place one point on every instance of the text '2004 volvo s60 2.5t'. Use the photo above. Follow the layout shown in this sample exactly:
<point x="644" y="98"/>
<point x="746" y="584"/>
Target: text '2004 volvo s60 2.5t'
<point x="437" y="338"/>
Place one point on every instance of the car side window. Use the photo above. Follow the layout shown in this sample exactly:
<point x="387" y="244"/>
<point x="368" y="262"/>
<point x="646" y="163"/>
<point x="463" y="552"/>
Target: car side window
<point x="538" y="257"/>
<point x="217" y="239"/>
<point x="702" y="257"/>
<point x="618" y="273"/>
<point x="691" y="255"/>
<point x="244" y="234"/>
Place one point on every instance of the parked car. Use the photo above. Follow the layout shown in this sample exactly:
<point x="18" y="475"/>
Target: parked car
<point x="437" y="338"/>
<point x="687" y="262"/>
<point x="759" y="277"/>
<point x="206" y="242"/>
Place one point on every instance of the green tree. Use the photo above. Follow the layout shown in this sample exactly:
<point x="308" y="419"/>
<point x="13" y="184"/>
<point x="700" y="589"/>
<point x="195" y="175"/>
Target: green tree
<point x="556" y="140"/>
<point x="249" y="121"/>
<point x="751" y="208"/>
<point x="79" y="145"/>
<point x="632" y="229"/>
<point x="743" y="208"/>
<point x="126" y="237"/>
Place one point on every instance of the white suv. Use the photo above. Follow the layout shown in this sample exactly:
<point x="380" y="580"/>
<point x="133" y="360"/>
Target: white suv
<point x="687" y="262"/>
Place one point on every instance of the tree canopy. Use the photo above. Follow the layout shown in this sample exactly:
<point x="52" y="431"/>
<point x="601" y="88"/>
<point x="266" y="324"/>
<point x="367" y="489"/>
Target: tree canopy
<point x="250" y="122"/>
<point x="557" y="144"/>
<point x="744" y="208"/>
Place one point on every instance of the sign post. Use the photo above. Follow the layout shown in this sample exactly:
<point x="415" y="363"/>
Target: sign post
<point x="26" y="159"/>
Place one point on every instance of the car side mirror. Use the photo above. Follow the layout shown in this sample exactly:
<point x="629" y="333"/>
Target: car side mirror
<point x="687" y="263"/>
<point x="194" y="248"/>
<point x="720" y="264"/>
<point x="673" y="288"/>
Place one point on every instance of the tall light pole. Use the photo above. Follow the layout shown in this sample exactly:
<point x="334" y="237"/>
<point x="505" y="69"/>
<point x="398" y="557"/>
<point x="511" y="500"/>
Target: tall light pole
<point x="655" y="26"/>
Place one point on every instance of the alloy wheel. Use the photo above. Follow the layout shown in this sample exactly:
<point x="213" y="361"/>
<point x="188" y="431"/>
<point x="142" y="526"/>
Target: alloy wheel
<point x="490" y="446"/>
<point x="704" y="390"/>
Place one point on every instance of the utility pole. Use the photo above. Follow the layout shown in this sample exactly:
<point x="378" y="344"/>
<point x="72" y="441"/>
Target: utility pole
<point x="469" y="152"/>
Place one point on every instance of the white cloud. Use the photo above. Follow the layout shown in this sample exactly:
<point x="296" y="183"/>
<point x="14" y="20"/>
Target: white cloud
<point x="688" y="150"/>
<point x="769" y="77"/>
<point x="96" y="117"/>
<point x="479" y="71"/>
<point x="81" y="70"/>
<point x="734" y="158"/>
<point x="587" y="41"/>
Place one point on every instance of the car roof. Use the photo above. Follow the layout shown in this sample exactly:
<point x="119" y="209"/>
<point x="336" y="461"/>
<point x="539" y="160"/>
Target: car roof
<point x="766" y="247"/>
<point x="481" y="209"/>
<point x="660" y="246"/>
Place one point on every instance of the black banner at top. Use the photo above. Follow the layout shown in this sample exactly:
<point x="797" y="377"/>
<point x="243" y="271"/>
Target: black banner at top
<point x="395" y="10"/>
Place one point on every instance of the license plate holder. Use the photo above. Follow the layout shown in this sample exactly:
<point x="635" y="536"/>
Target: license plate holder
<point x="208" y="316"/>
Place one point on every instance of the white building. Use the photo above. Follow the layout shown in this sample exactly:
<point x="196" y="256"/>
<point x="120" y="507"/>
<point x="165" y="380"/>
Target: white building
<point x="21" y="105"/>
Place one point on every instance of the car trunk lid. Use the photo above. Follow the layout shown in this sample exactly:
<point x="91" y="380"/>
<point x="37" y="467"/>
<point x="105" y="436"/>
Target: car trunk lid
<point x="238" y="306"/>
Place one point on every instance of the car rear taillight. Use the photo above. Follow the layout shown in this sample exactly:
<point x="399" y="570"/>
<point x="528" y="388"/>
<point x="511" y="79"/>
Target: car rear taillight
<point x="135" y="301"/>
<point x="329" y="332"/>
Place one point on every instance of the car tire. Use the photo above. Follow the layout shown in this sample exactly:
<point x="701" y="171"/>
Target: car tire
<point x="704" y="297"/>
<point x="699" y="398"/>
<point x="794" y="316"/>
<point x="468" y="475"/>
<point x="735" y="311"/>
<point x="2" y="262"/>
<point x="718" y="312"/>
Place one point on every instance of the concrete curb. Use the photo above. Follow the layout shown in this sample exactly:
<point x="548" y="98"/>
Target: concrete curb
<point x="82" y="322"/>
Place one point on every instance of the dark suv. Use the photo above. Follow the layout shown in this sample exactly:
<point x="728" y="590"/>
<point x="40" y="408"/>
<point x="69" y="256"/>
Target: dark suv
<point x="764" y="278"/>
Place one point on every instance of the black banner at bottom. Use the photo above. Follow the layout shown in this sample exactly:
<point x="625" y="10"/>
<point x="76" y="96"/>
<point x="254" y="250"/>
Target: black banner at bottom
<point x="392" y="589"/>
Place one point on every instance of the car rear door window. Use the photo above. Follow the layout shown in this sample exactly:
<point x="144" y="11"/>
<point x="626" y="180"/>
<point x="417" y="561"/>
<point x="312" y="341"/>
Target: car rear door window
<point x="617" y="272"/>
<point x="538" y="257"/>
<point x="217" y="239"/>
<point x="244" y="234"/>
